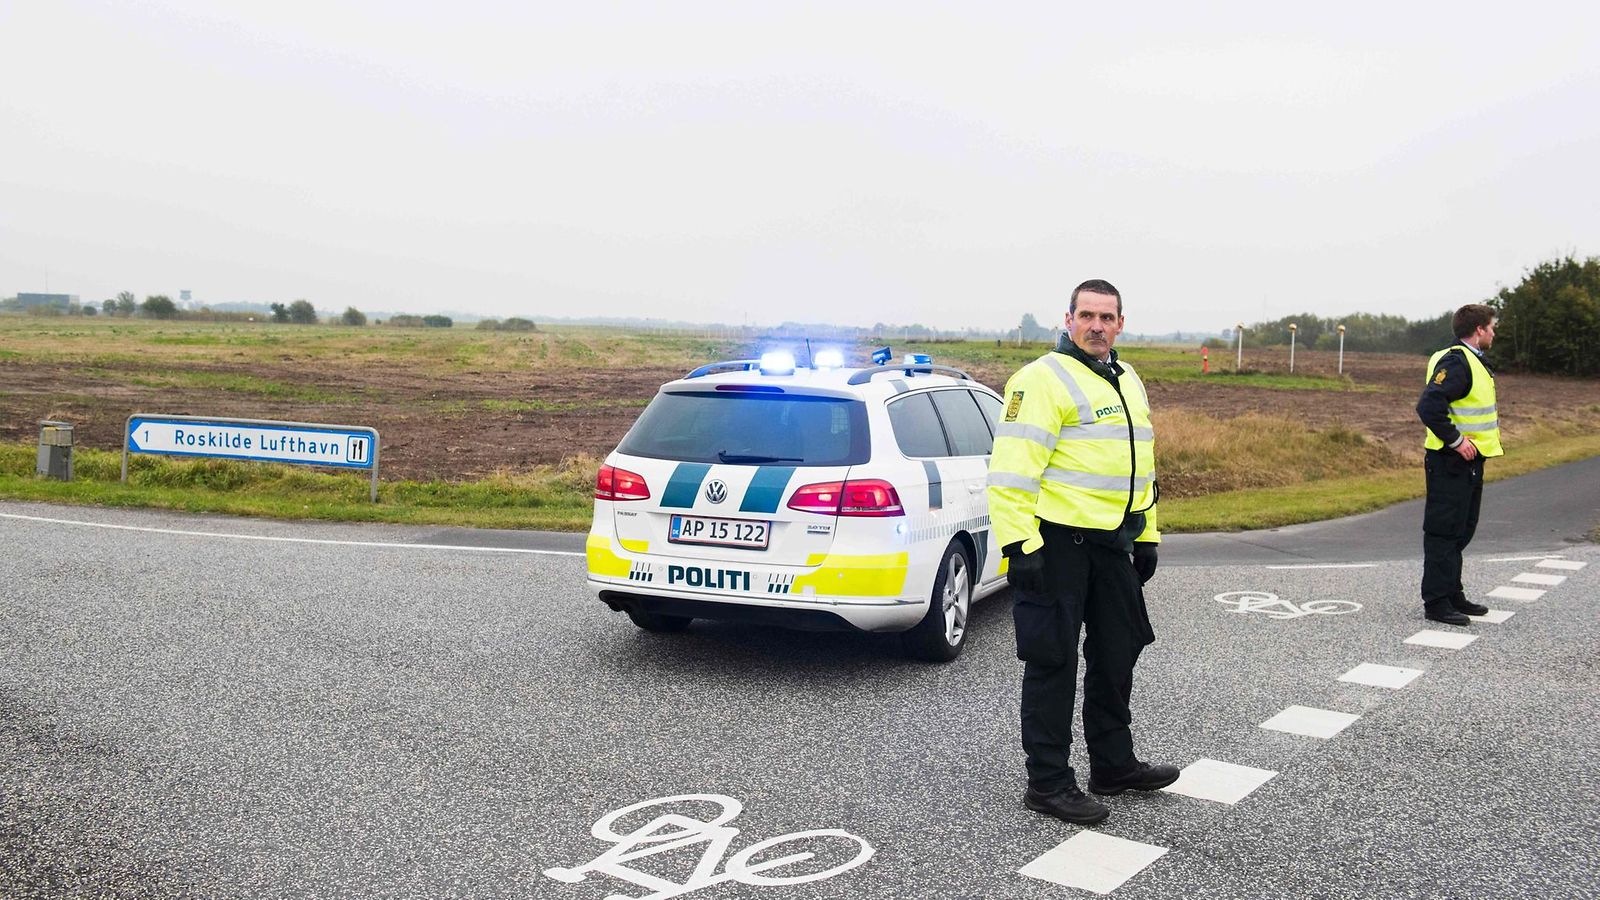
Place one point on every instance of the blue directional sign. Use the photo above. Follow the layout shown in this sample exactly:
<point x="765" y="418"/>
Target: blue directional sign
<point x="283" y="442"/>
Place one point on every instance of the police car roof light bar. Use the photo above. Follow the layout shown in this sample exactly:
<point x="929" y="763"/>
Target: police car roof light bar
<point x="881" y="356"/>
<point x="865" y="375"/>
<point x="741" y="364"/>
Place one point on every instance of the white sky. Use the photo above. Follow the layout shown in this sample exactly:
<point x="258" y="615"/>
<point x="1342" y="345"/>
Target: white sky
<point x="950" y="164"/>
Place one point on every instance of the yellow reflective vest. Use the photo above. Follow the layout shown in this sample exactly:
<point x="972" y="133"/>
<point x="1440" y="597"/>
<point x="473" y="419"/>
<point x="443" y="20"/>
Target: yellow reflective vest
<point x="1070" y="449"/>
<point x="1474" y="415"/>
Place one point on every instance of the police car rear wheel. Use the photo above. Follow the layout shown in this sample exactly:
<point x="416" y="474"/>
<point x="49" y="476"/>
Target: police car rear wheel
<point x="941" y="634"/>
<point x="657" y="622"/>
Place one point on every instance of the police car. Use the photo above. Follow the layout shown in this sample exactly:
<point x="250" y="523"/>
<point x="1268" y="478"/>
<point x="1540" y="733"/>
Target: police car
<point x="818" y="497"/>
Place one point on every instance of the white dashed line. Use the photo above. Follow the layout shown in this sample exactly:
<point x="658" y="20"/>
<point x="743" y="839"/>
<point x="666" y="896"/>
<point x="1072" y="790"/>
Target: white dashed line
<point x="1446" y="640"/>
<point x="1515" y="593"/>
<point x="1374" y="675"/>
<point x="1220" y="782"/>
<point x="1495" y="616"/>
<point x="1310" y="721"/>
<point x="1092" y="861"/>
<point x="1519" y="558"/>
<point x="1566" y="565"/>
<point x="294" y="540"/>
<point x="1539" y="578"/>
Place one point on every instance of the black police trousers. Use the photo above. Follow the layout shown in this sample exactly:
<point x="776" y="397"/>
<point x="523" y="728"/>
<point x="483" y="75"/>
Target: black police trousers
<point x="1455" y="491"/>
<point x="1091" y="588"/>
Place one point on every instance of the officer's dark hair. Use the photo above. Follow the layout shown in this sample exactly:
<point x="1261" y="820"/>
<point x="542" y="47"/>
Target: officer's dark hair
<point x="1470" y="318"/>
<point x="1098" y="286"/>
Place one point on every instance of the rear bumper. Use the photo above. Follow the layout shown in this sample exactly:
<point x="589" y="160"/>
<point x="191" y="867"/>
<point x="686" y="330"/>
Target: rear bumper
<point x="815" y="614"/>
<point x="862" y="592"/>
<point x="810" y="619"/>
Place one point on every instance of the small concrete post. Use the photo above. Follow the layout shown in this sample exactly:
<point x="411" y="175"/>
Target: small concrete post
<point x="55" y="450"/>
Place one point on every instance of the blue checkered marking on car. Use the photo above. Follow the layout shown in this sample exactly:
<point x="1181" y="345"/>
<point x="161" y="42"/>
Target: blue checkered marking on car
<point x="766" y="489"/>
<point x="684" y="484"/>
<point x="935" y="485"/>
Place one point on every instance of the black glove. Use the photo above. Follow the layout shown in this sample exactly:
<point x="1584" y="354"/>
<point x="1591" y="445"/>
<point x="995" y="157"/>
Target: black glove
<point x="1144" y="561"/>
<point x="1026" y="572"/>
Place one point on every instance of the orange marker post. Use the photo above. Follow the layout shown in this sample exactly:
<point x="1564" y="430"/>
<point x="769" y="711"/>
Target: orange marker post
<point x="1205" y="360"/>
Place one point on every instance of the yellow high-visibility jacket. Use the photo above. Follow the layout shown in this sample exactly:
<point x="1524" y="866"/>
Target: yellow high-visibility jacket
<point x="1073" y="450"/>
<point x="1474" y="415"/>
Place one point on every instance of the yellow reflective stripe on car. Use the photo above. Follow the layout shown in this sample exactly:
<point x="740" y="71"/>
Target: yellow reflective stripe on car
<point x="873" y="575"/>
<point x="635" y="546"/>
<point x="602" y="561"/>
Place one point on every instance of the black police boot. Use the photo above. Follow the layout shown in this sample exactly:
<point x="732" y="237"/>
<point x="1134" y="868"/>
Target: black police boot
<point x="1446" y="614"/>
<point x="1461" y="604"/>
<point x="1068" y="804"/>
<point x="1140" y="776"/>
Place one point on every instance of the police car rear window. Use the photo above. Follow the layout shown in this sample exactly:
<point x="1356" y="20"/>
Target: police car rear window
<point x="751" y="429"/>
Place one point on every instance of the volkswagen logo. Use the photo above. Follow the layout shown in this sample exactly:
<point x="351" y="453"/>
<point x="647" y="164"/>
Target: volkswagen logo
<point x="716" y="491"/>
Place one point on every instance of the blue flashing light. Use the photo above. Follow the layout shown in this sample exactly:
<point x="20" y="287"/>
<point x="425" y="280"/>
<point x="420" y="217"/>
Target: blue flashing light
<point x="880" y="356"/>
<point x="777" y="362"/>
<point x="828" y="359"/>
<point x="918" y="359"/>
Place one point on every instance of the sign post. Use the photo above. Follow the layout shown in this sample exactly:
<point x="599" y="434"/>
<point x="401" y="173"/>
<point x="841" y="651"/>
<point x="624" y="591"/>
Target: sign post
<point x="1341" y="349"/>
<point x="262" y="440"/>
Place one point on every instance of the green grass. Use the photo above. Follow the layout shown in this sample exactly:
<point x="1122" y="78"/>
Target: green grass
<point x="236" y="383"/>
<point x="555" y="498"/>
<point x="1313" y="501"/>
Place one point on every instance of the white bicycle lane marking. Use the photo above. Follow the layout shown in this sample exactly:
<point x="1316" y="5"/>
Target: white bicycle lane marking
<point x="1274" y="607"/>
<point x="674" y="831"/>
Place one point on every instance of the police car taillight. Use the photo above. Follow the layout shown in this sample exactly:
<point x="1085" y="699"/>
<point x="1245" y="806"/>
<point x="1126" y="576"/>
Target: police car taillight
<point x="865" y="497"/>
<point x="619" y="484"/>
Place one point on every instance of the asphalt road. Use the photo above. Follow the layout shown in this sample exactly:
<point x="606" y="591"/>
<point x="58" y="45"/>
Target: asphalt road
<point x="209" y="707"/>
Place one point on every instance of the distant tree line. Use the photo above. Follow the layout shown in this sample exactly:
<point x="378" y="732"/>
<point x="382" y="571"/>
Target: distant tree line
<point x="511" y="324"/>
<point x="1551" y="321"/>
<point x="1363" y="332"/>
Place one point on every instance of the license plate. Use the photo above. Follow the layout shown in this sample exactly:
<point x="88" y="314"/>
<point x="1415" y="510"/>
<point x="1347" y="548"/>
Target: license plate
<point x="752" y="535"/>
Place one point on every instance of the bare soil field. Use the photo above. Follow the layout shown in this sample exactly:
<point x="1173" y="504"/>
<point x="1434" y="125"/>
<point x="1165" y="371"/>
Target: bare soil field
<point x="488" y="413"/>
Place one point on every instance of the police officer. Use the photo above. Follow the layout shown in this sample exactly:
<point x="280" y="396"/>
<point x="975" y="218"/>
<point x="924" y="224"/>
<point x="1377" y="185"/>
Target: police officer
<point x="1463" y="428"/>
<point x="1072" y="497"/>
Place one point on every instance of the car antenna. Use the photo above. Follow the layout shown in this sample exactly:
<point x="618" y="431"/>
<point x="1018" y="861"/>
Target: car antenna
<point x="809" y="363"/>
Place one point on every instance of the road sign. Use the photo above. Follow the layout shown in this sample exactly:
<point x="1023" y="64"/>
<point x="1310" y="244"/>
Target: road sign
<point x="300" y="443"/>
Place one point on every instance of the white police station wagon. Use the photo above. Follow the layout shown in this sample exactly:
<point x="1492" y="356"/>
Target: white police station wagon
<point x="822" y="498"/>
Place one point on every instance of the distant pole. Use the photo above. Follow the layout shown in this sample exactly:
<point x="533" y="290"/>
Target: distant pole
<point x="1238" y="359"/>
<point x="1341" y="349"/>
<point x="1292" y="329"/>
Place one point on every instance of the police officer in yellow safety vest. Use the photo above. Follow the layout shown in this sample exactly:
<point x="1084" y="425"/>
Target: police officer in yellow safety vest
<point x="1072" y="497"/>
<point x="1463" y="427"/>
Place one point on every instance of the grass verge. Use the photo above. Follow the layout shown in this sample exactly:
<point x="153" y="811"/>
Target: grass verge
<point x="557" y="498"/>
<point x="1313" y="501"/>
<point x="551" y="498"/>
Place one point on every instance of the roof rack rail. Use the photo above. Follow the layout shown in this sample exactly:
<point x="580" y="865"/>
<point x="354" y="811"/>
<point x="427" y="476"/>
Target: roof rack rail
<point x="741" y="364"/>
<point x="865" y="375"/>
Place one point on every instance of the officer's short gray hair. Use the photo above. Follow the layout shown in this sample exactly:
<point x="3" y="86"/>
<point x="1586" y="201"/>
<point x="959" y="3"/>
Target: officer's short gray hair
<point x="1097" y="286"/>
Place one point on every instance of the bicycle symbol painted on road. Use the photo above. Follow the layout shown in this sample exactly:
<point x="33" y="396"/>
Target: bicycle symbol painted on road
<point x="755" y="865"/>
<point x="1274" y="607"/>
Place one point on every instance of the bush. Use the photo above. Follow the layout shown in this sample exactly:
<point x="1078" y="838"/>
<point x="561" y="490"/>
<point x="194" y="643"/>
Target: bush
<point x="158" y="306"/>
<point x="352" y="316"/>
<point x="1551" y="321"/>
<point x="437" y="322"/>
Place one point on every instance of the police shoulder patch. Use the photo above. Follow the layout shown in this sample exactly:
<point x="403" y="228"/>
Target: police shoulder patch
<point x="1439" y="378"/>
<point x="1014" y="407"/>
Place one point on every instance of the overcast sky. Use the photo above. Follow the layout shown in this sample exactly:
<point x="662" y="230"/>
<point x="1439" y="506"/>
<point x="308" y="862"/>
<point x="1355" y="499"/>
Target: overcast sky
<point x="950" y="164"/>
